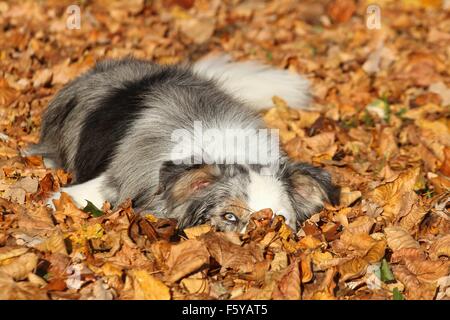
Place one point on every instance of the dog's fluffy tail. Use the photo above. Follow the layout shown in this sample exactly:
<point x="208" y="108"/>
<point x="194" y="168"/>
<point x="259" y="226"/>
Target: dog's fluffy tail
<point x="255" y="82"/>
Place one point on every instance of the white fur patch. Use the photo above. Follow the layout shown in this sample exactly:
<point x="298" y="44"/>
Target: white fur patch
<point x="265" y="191"/>
<point x="89" y="190"/>
<point x="49" y="163"/>
<point x="255" y="82"/>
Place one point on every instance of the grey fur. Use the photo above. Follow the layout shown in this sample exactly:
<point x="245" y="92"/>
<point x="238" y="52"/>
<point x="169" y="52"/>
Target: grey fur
<point x="134" y="167"/>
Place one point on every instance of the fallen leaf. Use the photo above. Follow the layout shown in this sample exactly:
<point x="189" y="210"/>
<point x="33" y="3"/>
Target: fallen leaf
<point x="341" y="10"/>
<point x="439" y="248"/>
<point x="352" y="269"/>
<point x="399" y="238"/>
<point x="195" y="232"/>
<point x="185" y="258"/>
<point x="19" y="268"/>
<point x="230" y="255"/>
<point x="147" y="287"/>
<point x="198" y="30"/>
<point x="12" y="290"/>
<point x="389" y="195"/>
<point x="288" y="287"/>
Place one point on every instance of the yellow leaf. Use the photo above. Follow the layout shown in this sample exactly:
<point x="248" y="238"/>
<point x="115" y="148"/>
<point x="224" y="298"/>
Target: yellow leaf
<point x="195" y="286"/>
<point x="8" y="253"/>
<point x="197" y="231"/>
<point x="376" y="253"/>
<point x="319" y="257"/>
<point x="147" y="287"/>
<point x="307" y="118"/>
<point x="305" y="266"/>
<point x="151" y="218"/>
<point x="93" y="231"/>
<point x="323" y="295"/>
<point x="290" y="245"/>
<point x="110" y="269"/>
<point x="353" y="268"/>
<point x="285" y="232"/>
<point x="309" y="242"/>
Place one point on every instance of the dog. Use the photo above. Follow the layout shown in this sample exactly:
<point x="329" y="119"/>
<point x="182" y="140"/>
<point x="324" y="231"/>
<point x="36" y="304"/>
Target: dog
<point x="127" y="129"/>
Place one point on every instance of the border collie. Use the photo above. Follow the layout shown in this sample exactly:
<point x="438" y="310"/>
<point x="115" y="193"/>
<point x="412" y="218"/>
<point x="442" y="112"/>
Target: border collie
<point x="127" y="129"/>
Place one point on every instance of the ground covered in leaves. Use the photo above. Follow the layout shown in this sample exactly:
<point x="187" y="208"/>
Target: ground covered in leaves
<point x="380" y="125"/>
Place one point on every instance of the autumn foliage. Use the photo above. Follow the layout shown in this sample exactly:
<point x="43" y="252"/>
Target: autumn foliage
<point x="379" y="124"/>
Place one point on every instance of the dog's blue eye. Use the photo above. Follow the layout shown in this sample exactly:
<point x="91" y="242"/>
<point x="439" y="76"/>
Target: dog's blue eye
<point x="230" y="217"/>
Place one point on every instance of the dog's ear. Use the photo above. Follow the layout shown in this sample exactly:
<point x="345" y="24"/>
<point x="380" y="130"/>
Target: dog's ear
<point x="179" y="182"/>
<point x="309" y="187"/>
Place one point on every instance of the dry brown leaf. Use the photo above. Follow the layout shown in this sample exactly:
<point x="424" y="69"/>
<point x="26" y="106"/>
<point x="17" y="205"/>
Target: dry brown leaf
<point x="130" y="256"/>
<point x="399" y="238"/>
<point x="11" y="252"/>
<point x="341" y="10"/>
<point x="185" y="258"/>
<point x="348" y="197"/>
<point x="428" y="271"/>
<point x="230" y="255"/>
<point x="362" y="224"/>
<point x="353" y="268"/>
<point x="376" y="253"/>
<point x="42" y="78"/>
<point x="388" y="143"/>
<point x="55" y="244"/>
<point x="309" y="242"/>
<point x="413" y="218"/>
<point x="403" y="254"/>
<point x="66" y="208"/>
<point x="306" y="269"/>
<point x="326" y="289"/>
<point x="11" y="290"/>
<point x="196" y="284"/>
<point x="360" y="243"/>
<point x="7" y="94"/>
<point x="390" y="194"/>
<point x="19" y="268"/>
<point x="288" y="287"/>
<point x="440" y="247"/>
<point x="414" y="288"/>
<point x="322" y="144"/>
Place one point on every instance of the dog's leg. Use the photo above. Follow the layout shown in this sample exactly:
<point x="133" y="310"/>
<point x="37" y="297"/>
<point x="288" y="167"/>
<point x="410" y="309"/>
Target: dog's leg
<point x="90" y="190"/>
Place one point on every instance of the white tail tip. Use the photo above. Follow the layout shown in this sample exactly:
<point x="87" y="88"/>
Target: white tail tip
<point x="254" y="82"/>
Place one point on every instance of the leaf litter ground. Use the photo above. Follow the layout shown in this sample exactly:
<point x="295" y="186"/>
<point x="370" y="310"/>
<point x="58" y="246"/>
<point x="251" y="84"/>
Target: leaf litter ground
<point x="379" y="124"/>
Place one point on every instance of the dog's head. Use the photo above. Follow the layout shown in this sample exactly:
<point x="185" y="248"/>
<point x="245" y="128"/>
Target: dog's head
<point x="227" y="194"/>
